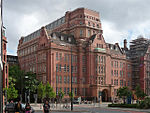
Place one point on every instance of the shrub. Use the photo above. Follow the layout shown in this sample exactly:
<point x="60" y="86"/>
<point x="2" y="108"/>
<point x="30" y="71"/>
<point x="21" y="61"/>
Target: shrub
<point x="145" y="104"/>
<point x="123" y="105"/>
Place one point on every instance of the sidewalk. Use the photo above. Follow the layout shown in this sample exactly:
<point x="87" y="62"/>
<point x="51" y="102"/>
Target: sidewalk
<point x="78" y="107"/>
<point x="59" y="107"/>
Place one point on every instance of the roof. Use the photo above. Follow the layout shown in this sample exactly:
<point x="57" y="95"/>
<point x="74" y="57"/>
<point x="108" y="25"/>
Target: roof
<point x="61" y="37"/>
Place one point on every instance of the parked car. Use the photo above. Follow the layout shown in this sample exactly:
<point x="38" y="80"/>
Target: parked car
<point x="10" y="108"/>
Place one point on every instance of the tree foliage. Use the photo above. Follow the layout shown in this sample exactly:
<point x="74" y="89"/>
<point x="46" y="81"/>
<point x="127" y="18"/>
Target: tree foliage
<point x="139" y="92"/>
<point x="48" y="90"/>
<point x="12" y="93"/>
<point x="41" y="91"/>
<point x="30" y="81"/>
<point x="16" y="77"/>
<point x="123" y="93"/>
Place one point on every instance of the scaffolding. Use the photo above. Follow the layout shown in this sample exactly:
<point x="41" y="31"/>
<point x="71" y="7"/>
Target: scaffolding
<point x="138" y="49"/>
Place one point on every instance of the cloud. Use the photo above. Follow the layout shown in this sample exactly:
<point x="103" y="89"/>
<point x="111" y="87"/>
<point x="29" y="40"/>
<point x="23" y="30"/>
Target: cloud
<point x="120" y="18"/>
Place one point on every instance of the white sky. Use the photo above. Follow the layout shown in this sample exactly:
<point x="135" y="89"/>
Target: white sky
<point x="121" y="19"/>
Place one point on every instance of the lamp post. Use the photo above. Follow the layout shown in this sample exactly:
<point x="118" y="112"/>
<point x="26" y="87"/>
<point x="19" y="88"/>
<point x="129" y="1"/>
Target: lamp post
<point x="71" y="83"/>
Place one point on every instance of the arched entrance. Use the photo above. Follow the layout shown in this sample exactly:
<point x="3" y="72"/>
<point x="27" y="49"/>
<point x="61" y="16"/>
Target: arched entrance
<point x="105" y="95"/>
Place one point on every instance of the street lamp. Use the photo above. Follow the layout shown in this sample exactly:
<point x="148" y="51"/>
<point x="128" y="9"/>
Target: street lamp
<point x="71" y="83"/>
<point x="26" y="77"/>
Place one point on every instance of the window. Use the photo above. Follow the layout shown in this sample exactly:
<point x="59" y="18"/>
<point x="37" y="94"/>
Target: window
<point x="65" y="91"/>
<point x="75" y="91"/>
<point x="64" y="79"/>
<point x="102" y="69"/>
<point x="117" y="82"/>
<point x="97" y="25"/>
<point x="69" y="39"/>
<point x="60" y="56"/>
<point x="112" y="72"/>
<point x="65" y="68"/>
<point x="83" y="58"/>
<point x="68" y="79"/>
<point x="89" y="33"/>
<point x="59" y="67"/>
<point x="68" y="90"/>
<point x="111" y="81"/>
<point x="93" y="24"/>
<point x="57" y="56"/>
<point x="81" y="32"/>
<point x="68" y="68"/>
<point x="121" y="82"/>
<point x="101" y="59"/>
<point x="111" y="63"/>
<point x="56" y="78"/>
<point x="60" y="79"/>
<point x="128" y="83"/>
<point x="117" y="72"/>
<point x="65" y="57"/>
<point x="62" y="38"/>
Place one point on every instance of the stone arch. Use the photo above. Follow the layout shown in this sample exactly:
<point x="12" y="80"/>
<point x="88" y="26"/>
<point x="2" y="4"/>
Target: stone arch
<point x="105" y="95"/>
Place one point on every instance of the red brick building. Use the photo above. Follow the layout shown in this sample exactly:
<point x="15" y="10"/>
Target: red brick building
<point x="4" y="60"/>
<point x="98" y="67"/>
<point x="5" y="64"/>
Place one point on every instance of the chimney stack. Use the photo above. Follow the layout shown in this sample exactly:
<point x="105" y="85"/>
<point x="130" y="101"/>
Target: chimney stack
<point x="125" y="44"/>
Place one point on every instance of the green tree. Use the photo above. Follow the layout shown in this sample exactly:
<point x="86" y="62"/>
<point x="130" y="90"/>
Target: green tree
<point x="16" y="77"/>
<point x="41" y="91"/>
<point x="48" y="90"/>
<point x="123" y="93"/>
<point x="12" y="93"/>
<point x="139" y="92"/>
<point x="30" y="81"/>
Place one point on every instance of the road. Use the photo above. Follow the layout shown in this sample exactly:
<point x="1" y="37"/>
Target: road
<point x="99" y="110"/>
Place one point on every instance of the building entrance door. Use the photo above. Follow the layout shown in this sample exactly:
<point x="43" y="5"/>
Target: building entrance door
<point x="105" y="95"/>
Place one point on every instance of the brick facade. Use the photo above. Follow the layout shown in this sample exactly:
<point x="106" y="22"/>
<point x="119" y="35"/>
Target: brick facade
<point x="98" y="67"/>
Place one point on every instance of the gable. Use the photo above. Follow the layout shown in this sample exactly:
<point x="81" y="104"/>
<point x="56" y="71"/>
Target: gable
<point x="98" y="41"/>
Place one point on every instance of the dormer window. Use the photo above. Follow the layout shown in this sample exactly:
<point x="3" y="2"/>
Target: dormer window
<point x="69" y="39"/>
<point x="62" y="38"/>
<point x="114" y="47"/>
<point x="54" y="36"/>
<point x="89" y="23"/>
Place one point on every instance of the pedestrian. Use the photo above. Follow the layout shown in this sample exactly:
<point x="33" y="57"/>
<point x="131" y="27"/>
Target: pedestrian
<point x="46" y="107"/>
<point x="27" y="108"/>
<point x="18" y="107"/>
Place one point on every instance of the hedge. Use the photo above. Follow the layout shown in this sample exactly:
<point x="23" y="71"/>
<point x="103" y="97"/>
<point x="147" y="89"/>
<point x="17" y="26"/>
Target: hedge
<point x="123" y="105"/>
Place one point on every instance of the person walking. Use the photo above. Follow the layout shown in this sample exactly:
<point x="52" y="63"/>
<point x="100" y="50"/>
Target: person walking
<point x="46" y="107"/>
<point x="27" y="108"/>
<point x="18" y="107"/>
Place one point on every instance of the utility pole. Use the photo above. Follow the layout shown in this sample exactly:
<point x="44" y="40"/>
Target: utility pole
<point x="1" y="76"/>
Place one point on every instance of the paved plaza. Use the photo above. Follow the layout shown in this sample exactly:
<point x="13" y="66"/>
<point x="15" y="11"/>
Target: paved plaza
<point x="90" y="108"/>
